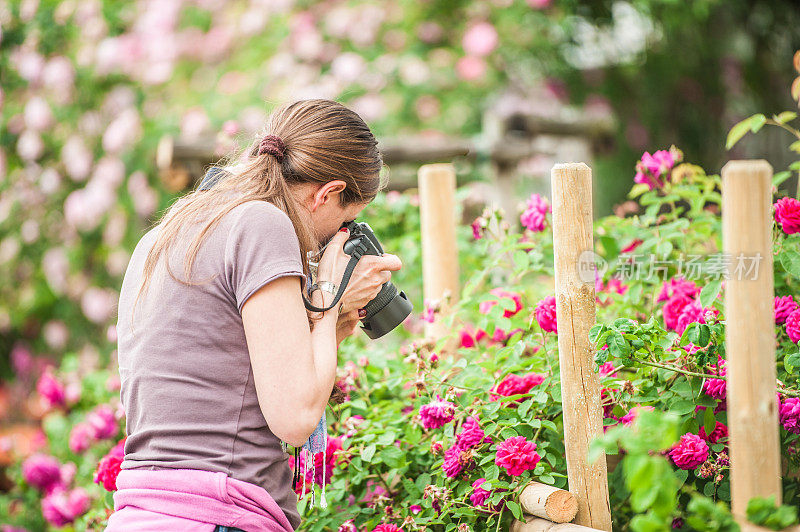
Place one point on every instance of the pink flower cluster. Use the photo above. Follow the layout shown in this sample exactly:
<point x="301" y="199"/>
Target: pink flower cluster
<point x="682" y="305"/>
<point x="459" y="457"/>
<point x="60" y="505"/>
<point x="653" y="170"/>
<point x="535" y="215"/>
<point x="789" y="414"/>
<point x="517" y="455"/>
<point x="515" y="385"/>
<point x="546" y="314"/>
<point x="100" y="424"/>
<point x="437" y="413"/>
<point x="787" y="214"/>
<point x="689" y="452"/>
<point x="109" y="466"/>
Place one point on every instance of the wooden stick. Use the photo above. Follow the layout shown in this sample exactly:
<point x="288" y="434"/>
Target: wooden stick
<point x="750" y="332"/>
<point x="437" y="187"/>
<point x="537" y="524"/>
<point x="548" y="502"/>
<point x="575" y="314"/>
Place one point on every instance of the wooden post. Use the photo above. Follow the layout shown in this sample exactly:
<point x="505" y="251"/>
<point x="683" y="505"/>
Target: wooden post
<point x="575" y="314"/>
<point x="437" y="187"/>
<point x="750" y="332"/>
<point x="548" y="502"/>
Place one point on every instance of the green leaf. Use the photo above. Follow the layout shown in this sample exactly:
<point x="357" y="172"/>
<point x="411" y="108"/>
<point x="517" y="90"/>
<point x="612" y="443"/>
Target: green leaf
<point x="758" y="122"/>
<point x="682" y="407"/>
<point x="792" y="362"/>
<point x="738" y="131"/>
<point x="790" y="260"/>
<point x="795" y="146"/>
<point x="521" y="260"/>
<point x="515" y="509"/>
<point x="784" y="117"/>
<point x="709" y="422"/>
<point x="368" y="452"/>
<point x="709" y="292"/>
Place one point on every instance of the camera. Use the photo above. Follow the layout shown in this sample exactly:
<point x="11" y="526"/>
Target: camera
<point x="389" y="308"/>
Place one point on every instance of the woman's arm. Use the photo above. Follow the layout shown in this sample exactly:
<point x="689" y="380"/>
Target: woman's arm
<point x="294" y="367"/>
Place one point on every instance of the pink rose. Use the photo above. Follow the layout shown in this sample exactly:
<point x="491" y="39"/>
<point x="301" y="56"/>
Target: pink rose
<point x="535" y="215"/>
<point x="43" y="472"/>
<point x="546" y="314"/>
<point x="62" y="507"/>
<point x="109" y="467"/>
<point x="784" y="306"/>
<point x="517" y="455"/>
<point x="789" y="414"/>
<point x="102" y="422"/>
<point x="787" y="214"/>
<point x="51" y="390"/>
<point x="437" y="413"/>
<point x="793" y="326"/>
<point x="689" y="452"/>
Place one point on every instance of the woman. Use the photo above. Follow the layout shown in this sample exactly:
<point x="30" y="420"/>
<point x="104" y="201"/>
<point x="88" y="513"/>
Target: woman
<point x="223" y="363"/>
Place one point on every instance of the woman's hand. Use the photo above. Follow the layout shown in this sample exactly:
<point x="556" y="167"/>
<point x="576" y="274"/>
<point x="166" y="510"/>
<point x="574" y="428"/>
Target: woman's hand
<point x="369" y="276"/>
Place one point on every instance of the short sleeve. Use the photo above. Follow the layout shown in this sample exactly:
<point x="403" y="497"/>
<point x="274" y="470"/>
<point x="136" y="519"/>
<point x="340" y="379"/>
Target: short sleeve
<point x="262" y="246"/>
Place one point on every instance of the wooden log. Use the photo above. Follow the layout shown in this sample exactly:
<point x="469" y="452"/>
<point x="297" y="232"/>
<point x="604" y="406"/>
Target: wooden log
<point x="575" y="314"/>
<point x="548" y="502"/>
<point x="750" y="332"/>
<point x="440" y="272"/>
<point x="537" y="524"/>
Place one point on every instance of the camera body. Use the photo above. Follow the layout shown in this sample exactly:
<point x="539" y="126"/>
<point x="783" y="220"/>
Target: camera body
<point x="389" y="308"/>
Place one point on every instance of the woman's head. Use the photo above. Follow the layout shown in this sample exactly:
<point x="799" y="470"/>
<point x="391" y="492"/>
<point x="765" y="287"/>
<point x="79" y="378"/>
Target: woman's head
<point x="319" y="163"/>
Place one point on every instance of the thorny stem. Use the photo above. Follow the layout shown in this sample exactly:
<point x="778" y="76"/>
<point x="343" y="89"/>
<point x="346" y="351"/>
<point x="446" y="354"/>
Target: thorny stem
<point x="785" y="391"/>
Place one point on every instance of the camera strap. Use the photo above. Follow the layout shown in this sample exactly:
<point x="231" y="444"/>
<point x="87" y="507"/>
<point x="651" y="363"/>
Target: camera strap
<point x="348" y="271"/>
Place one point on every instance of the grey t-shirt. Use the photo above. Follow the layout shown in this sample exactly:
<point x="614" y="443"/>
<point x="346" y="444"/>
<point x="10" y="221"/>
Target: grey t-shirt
<point x="187" y="383"/>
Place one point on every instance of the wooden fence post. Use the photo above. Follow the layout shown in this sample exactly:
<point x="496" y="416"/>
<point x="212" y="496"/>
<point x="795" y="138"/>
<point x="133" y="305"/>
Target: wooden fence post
<point x="750" y="333"/>
<point x="437" y="187"/>
<point x="575" y="313"/>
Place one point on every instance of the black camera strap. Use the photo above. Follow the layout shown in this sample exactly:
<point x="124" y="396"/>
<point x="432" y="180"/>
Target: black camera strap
<point x="348" y="271"/>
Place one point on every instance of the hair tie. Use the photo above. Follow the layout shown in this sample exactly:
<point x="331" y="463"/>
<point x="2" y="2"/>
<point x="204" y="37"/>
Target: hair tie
<point x="273" y="145"/>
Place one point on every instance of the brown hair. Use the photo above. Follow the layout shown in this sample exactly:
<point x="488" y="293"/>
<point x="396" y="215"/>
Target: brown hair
<point x="323" y="141"/>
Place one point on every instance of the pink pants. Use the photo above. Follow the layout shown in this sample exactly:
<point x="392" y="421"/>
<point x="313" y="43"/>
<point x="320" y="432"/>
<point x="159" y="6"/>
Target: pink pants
<point x="190" y="500"/>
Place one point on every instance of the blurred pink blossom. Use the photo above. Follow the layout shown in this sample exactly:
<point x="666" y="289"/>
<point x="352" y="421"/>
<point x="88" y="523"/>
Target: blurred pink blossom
<point x="98" y="304"/>
<point x="38" y="115"/>
<point x="470" y="68"/>
<point x="480" y="39"/>
<point x="30" y="146"/>
<point x="62" y="507"/>
<point x="77" y="158"/>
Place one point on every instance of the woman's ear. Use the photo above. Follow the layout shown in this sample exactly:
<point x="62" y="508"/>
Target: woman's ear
<point x="326" y="191"/>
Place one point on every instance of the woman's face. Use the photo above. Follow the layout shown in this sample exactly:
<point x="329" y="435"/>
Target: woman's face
<point x="327" y="215"/>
